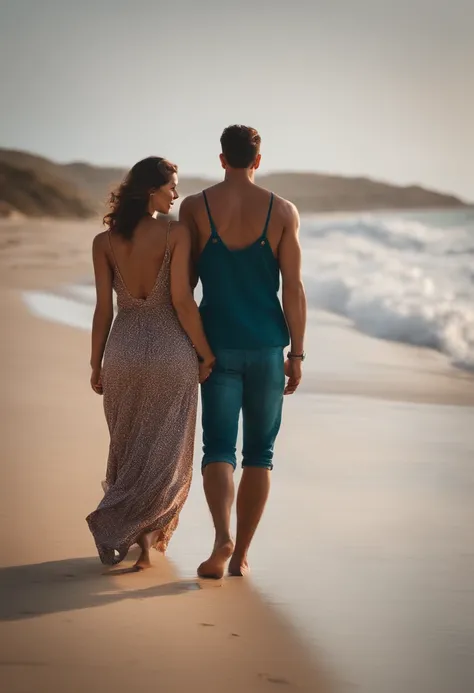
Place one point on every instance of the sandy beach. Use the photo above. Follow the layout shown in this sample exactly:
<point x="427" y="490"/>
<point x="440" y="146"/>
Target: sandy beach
<point x="363" y="566"/>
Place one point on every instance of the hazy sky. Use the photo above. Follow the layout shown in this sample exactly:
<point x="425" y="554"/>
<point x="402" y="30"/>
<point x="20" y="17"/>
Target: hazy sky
<point x="373" y="87"/>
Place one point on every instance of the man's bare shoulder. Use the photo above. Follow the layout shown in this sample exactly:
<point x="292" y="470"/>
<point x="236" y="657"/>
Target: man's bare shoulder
<point x="216" y="186"/>
<point x="190" y="201"/>
<point x="286" y="210"/>
<point x="213" y="192"/>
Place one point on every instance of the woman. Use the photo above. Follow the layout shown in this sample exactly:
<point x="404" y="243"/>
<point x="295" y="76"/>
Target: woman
<point x="149" y="372"/>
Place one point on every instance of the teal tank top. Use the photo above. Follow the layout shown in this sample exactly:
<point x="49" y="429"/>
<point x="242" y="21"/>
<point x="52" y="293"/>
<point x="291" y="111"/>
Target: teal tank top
<point x="240" y="308"/>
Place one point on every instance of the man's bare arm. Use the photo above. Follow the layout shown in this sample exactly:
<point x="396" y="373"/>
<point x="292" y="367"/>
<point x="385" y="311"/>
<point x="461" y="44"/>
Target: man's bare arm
<point x="186" y="217"/>
<point x="294" y="298"/>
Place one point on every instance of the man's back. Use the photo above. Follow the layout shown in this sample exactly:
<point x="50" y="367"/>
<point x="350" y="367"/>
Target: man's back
<point x="239" y="213"/>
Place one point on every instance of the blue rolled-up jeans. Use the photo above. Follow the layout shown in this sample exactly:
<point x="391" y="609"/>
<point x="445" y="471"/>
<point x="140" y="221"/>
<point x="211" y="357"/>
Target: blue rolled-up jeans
<point x="247" y="381"/>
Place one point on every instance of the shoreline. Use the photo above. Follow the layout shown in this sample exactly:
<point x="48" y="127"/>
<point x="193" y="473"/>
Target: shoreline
<point x="44" y="256"/>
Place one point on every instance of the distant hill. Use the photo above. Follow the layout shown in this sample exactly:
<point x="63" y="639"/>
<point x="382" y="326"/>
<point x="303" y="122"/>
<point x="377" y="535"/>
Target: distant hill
<point x="315" y="192"/>
<point x="95" y="181"/>
<point x="35" y="186"/>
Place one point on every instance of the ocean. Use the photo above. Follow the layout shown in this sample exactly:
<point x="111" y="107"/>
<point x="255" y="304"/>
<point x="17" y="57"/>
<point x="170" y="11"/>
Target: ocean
<point x="406" y="277"/>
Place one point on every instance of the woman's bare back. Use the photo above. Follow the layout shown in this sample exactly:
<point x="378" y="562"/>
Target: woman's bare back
<point x="140" y="259"/>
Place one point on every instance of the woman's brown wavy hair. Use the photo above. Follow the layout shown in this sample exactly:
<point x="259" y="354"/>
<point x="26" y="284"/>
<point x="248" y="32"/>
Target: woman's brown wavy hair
<point x="129" y="202"/>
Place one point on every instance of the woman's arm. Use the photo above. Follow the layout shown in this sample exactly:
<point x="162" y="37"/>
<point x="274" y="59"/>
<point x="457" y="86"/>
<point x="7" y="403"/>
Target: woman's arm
<point x="182" y="297"/>
<point x="104" y="310"/>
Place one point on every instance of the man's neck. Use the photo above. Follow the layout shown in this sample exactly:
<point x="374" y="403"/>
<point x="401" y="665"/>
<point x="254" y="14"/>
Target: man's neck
<point x="240" y="176"/>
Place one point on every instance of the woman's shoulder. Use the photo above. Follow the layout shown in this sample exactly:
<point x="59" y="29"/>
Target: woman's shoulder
<point x="100" y="241"/>
<point x="179" y="232"/>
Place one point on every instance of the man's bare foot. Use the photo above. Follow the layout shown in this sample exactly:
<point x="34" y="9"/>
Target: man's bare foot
<point x="214" y="567"/>
<point x="238" y="567"/>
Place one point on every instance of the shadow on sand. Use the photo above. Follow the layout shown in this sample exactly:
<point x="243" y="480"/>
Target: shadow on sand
<point x="29" y="591"/>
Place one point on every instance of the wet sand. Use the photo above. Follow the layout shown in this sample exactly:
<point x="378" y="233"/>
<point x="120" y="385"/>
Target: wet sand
<point x="367" y="540"/>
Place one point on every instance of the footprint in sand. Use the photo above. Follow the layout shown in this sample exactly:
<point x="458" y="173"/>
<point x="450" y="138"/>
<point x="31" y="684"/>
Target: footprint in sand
<point x="274" y="679"/>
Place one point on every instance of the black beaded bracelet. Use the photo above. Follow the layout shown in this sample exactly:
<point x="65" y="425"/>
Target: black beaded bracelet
<point x="296" y="356"/>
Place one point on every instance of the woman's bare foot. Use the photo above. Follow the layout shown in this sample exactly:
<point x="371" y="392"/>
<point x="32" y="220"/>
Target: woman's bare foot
<point x="144" y="561"/>
<point x="214" y="567"/>
<point x="146" y="542"/>
<point x="238" y="567"/>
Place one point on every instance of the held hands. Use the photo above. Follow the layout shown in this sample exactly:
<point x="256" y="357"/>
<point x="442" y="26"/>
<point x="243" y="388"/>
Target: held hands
<point x="205" y="370"/>
<point x="96" y="381"/>
<point x="293" y="371"/>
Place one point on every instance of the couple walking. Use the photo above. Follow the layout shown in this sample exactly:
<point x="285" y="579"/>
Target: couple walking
<point x="237" y="238"/>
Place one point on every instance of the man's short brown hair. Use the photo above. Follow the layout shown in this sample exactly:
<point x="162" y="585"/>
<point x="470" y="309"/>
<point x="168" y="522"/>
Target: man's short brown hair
<point x="240" y="145"/>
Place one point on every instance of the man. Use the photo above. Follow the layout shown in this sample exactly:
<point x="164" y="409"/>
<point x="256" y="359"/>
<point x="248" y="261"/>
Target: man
<point x="243" y="238"/>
